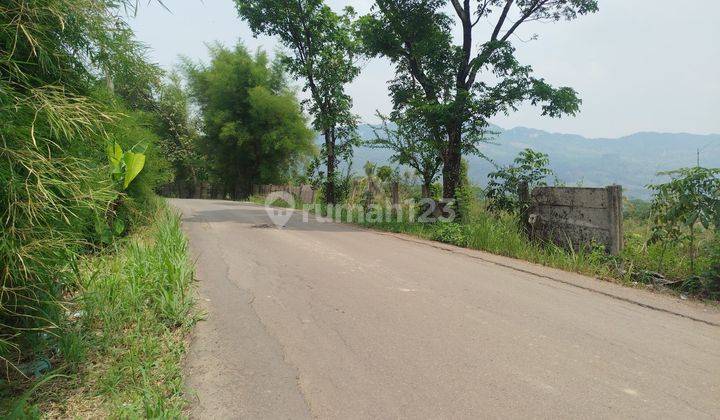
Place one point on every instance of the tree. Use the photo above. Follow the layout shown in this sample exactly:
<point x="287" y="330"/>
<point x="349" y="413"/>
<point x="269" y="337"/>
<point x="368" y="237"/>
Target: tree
<point x="411" y="144"/>
<point x="180" y="136"/>
<point x="529" y="167"/>
<point x="385" y="173"/>
<point x="685" y="204"/>
<point x="321" y="52"/>
<point x="255" y="132"/>
<point x="458" y="88"/>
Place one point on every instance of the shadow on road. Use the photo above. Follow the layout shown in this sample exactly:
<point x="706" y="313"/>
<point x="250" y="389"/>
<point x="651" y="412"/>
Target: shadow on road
<point x="254" y="215"/>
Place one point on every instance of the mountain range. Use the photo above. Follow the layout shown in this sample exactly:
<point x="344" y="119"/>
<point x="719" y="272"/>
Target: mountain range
<point x="632" y="161"/>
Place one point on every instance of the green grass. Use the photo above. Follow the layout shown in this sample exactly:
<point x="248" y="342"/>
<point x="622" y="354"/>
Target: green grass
<point x="500" y="234"/>
<point x="120" y="356"/>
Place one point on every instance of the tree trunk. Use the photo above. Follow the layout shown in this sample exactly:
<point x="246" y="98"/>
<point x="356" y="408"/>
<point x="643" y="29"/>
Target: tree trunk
<point x="330" y="182"/>
<point x="196" y="185"/>
<point x="451" y="163"/>
<point x="427" y="184"/>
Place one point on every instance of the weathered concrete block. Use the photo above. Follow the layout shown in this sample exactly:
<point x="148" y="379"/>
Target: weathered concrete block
<point x="576" y="217"/>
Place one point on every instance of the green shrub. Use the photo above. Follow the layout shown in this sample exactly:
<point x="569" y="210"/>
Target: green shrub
<point x="529" y="167"/>
<point x="451" y="233"/>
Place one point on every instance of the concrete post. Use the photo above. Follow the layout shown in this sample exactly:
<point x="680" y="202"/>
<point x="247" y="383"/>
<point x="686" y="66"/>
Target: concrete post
<point x="615" y="219"/>
<point x="395" y="192"/>
<point x="524" y="198"/>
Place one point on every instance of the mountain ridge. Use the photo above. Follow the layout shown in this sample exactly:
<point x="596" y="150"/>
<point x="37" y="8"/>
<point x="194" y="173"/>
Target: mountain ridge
<point x="632" y="161"/>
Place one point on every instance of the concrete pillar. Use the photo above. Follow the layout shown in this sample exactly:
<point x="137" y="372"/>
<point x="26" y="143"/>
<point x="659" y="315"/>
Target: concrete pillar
<point x="615" y="219"/>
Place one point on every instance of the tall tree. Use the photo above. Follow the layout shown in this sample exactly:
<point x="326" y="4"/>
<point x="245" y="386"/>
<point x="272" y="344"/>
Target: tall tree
<point x="411" y="143"/>
<point x="180" y="136"/>
<point x="459" y="87"/>
<point x="255" y="132"/>
<point x="321" y="48"/>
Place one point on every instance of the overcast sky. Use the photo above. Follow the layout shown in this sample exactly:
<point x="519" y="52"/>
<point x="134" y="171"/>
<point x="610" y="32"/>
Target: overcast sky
<point x="639" y="65"/>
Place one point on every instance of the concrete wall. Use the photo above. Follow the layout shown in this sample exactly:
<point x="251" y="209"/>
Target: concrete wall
<point x="305" y="193"/>
<point x="575" y="217"/>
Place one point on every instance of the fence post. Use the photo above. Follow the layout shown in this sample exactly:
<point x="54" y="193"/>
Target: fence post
<point x="395" y="193"/>
<point x="615" y="215"/>
<point x="524" y="198"/>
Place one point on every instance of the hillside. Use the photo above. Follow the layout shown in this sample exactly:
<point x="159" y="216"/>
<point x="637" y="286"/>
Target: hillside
<point x="632" y="161"/>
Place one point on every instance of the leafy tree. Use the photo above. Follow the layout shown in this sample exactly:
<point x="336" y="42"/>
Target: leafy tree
<point x="529" y="167"/>
<point x="458" y="88"/>
<point x="690" y="201"/>
<point x="321" y="52"/>
<point x="385" y="173"/>
<point x="180" y="136"/>
<point x="255" y="132"/>
<point x="411" y="144"/>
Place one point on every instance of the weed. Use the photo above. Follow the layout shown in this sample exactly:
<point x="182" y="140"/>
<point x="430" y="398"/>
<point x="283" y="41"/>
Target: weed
<point x="128" y="320"/>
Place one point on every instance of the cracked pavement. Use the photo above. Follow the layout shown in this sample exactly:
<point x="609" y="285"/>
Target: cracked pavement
<point x="328" y="320"/>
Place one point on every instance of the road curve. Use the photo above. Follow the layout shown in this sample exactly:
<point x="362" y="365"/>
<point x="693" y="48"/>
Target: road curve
<point x="327" y="320"/>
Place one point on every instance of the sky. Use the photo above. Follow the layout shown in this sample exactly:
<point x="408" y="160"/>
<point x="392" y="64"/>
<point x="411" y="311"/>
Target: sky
<point x="639" y="65"/>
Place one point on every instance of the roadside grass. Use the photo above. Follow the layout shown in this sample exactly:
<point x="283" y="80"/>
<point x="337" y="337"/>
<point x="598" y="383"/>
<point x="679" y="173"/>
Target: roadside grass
<point x="120" y="356"/>
<point x="638" y="264"/>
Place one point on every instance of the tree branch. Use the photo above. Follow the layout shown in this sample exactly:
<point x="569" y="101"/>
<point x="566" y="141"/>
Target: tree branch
<point x="529" y="12"/>
<point x="459" y="10"/>
<point x="501" y="20"/>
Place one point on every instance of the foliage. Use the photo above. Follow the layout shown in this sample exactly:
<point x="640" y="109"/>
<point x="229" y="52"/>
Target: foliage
<point x="254" y="130"/>
<point x="451" y="233"/>
<point x="465" y="196"/>
<point x="126" y="165"/>
<point x="458" y="88"/>
<point x="385" y="173"/>
<point x="637" y="209"/>
<point x="56" y="116"/>
<point x="529" y="167"/>
<point x="180" y="137"/>
<point x="408" y="138"/>
<point x="321" y="51"/>
<point x="125" y="340"/>
<point x="711" y="277"/>
<point x="687" y="203"/>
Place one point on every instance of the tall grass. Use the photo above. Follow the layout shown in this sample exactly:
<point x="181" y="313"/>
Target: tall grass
<point x="55" y="120"/>
<point x="48" y="200"/>
<point x="122" y="348"/>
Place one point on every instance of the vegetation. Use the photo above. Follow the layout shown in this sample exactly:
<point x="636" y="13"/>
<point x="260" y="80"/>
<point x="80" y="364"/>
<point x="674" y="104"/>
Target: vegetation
<point x="80" y="157"/>
<point x="182" y="146"/>
<point x="322" y="47"/>
<point x="686" y="210"/>
<point x="94" y="298"/>
<point x="529" y="168"/>
<point x="411" y="144"/>
<point x="124" y="341"/>
<point x="458" y="88"/>
<point x="254" y="130"/>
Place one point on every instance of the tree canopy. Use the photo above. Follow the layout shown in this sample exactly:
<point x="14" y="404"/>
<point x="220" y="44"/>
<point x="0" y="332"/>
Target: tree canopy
<point x="459" y="87"/>
<point x="253" y="126"/>
<point x="321" y="52"/>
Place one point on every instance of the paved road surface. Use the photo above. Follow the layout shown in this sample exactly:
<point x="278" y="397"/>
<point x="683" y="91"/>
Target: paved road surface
<point x="330" y="321"/>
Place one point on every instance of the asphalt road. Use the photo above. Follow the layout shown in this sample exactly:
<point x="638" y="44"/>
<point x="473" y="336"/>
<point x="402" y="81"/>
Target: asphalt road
<point x="331" y="321"/>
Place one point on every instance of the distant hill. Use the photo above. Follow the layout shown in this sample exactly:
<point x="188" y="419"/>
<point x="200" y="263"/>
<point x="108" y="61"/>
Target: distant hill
<point x="632" y="161"/>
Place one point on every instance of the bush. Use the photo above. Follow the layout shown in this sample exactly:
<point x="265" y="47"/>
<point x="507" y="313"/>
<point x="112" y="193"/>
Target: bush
<point x="530" y="167"/>
<point x="451" y="233"/>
